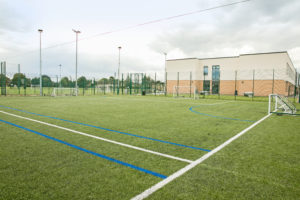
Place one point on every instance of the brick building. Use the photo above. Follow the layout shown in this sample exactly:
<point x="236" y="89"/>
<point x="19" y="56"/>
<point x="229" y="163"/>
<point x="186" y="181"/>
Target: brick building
<point x="260" y="73"/>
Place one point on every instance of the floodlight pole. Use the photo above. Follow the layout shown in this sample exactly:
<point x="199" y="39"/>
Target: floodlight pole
<point x="165" y="73"/>
<point x="119" y="69"/>
<point x="41" y="88"/>
<point x="77" y="32"/>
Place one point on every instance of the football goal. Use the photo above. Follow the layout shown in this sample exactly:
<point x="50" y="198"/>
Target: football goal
<point x="185" y="92"/>
<point x="279" y="104"/>
<point x="64" y="92"/>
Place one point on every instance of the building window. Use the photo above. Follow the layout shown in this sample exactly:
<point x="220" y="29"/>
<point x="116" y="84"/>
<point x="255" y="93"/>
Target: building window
<point x="215" y="72"/>
<point x="205" y="70"/>
<point x="206" y="85"/>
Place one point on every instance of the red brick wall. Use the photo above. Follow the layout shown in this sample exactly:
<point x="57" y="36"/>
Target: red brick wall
<point x="261" y="87"/>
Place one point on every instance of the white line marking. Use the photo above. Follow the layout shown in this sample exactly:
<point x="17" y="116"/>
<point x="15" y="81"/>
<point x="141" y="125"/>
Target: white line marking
<point x="191" y="101"/>
<point x="182" y="101"/>
<point x="212" y="104"/>
<point x="180" y="172"/>
<point x="103" y="139"/>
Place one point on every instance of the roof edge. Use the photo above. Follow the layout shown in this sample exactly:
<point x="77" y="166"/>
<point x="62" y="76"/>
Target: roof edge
<point x="181" y="59"/>
<point x="275" y="52"/>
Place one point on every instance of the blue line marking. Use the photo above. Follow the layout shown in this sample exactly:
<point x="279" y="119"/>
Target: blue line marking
<point x="243" y="120"/>
<point x="106" y="129"/>
<point x="90" y="152"/>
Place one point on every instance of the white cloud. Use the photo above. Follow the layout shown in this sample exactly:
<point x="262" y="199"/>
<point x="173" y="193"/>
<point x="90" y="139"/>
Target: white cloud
<point x="258" y="26"/>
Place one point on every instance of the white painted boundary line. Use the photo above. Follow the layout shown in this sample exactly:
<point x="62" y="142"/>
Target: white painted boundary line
<point x="171" y="100"/>
<point x="212" y="104"/>
<point x="180" y="172"/>
<point x="100" y="138"/>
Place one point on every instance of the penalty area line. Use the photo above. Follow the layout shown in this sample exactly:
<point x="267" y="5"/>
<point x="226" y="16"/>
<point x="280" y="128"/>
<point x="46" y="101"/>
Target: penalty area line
<point x="182" y="171"/>
<point x="100" y="138"/>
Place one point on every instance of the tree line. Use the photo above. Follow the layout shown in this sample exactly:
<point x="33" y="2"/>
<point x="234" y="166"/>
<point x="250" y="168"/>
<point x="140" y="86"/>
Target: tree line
<point x="20" y="80"/>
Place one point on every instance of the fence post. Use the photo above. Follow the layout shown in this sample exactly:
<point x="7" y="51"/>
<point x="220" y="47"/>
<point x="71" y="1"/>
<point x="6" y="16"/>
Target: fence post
<point x="298" y="88"/>
<point x="190" y="84"/>
<point x="114" y="82"/>
<point x="219" y="84"/>
<point x="155" y="84"/>
<point x="104" y="86"/>
<point x="166" y="83"/>
<point x="177" y="83"/>
<point x="295" y="88"/>
<point x="203" y="84"/>
<point x="70" y="85"/>
<point x="19" y="82"/>
<point x="273" y="82"/>
<point x="25" y="82"/>
<point x="253" y="84"/>
<point x="95" y="86"/>
<point x="136" y="83"/>
<point x="49" y="85"/>
<point x="145" y="82"/>
<point x="235" y="92"/>
<point x="83" y="87"/>
<point x="130" y="83"/>
<point x="3" y="78"/>
<point x="122" y="83"/>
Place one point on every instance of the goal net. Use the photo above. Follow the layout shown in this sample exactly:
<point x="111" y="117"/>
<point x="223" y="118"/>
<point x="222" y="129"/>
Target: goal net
<point x="185" y="92"/>
<point x="281" y="105"/>
<point x="64" y="92"/>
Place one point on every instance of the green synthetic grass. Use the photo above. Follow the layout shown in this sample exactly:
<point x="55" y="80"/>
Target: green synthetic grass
<point x="264" y="163"/>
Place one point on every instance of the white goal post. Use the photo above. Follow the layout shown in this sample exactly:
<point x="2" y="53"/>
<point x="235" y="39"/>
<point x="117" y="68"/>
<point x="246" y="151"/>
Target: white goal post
<point x="279" y="104"/>
<point x="185" y="92"/>
<point x="64" y="92"/>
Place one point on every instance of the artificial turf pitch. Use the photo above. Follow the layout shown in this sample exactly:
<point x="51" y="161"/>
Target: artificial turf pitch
<point x="262" y="164"/>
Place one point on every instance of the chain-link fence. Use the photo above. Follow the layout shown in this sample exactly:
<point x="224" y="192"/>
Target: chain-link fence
<point x="226" y="84"/>
<point x="234" y="84"/>
<point x="24" y="84"/>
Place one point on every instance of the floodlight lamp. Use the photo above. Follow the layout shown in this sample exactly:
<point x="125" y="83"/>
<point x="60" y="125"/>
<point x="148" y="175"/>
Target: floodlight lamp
<point x="76" y="31"/>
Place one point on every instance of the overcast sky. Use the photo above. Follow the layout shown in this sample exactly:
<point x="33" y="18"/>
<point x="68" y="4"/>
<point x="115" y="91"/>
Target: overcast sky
<point x="251" y="27"/>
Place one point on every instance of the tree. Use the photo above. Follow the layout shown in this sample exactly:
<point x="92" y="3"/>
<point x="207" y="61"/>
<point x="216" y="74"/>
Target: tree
<point x="101" y="81"/>
<point x="4" y="80"/>
<point x="19" y="79"/>
<point x="65" y="82"/>
<point x="81" y="82"/>
<point x="111" y="79"/>
<point x="46" y="81"/>
<point x="35" y="81"/>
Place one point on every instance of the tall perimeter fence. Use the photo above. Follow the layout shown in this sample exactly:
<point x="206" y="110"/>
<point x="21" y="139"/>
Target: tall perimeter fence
<point x="235" y="84"/>
<point x="253" y="85"/>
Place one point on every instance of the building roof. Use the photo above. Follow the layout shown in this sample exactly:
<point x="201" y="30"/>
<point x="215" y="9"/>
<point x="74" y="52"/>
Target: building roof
<point x="250" y="54"/>
<point x="230" y="56"/>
